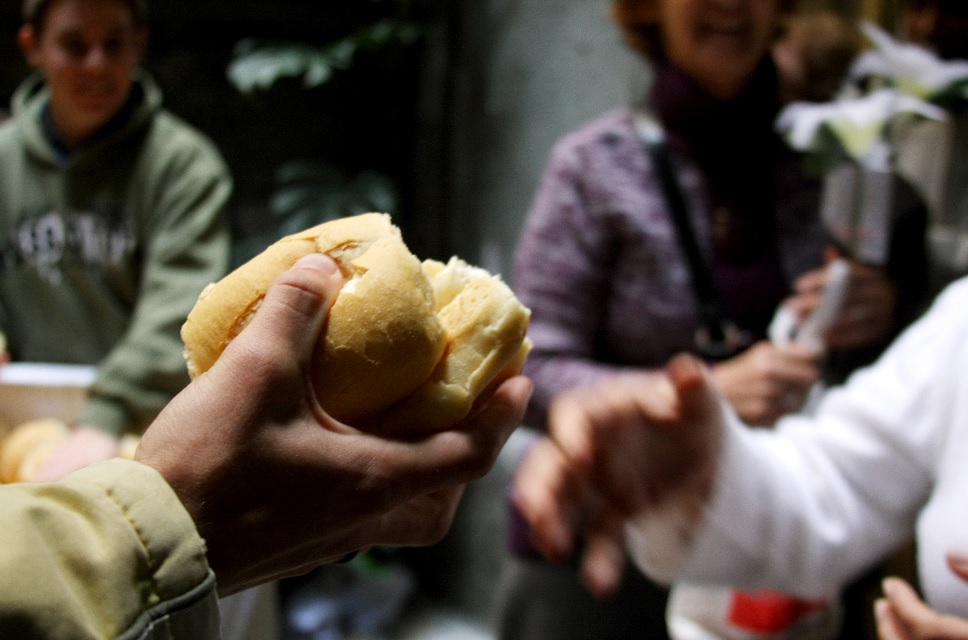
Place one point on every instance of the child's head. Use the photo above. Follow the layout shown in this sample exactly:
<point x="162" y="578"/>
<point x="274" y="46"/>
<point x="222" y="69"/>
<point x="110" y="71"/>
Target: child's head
<point x="87" y="51"/>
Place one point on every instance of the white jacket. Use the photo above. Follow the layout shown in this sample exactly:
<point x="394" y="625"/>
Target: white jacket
<point x="806" y="507"/>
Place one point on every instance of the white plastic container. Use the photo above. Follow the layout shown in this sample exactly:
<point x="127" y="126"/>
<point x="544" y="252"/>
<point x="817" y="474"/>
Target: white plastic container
<point x="31" y="390"/>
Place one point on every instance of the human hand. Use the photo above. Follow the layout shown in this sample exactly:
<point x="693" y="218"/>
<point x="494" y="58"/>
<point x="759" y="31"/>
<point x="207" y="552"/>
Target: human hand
<point x="275" y="486"/>
<point x="866" y="314"/>
<point x="616" y="449"/>
<point x="902" y="615"/>
<point x="83" y="447"/>
<point x="767" y="381"/>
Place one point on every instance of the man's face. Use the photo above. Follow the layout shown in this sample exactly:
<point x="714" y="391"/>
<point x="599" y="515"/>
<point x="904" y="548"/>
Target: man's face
<point x="87" y="51"/>
<point x="719" y="43"/>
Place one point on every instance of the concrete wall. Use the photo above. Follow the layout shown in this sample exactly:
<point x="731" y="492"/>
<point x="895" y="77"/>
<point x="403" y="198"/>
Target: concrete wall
<point x="526" y="72"/>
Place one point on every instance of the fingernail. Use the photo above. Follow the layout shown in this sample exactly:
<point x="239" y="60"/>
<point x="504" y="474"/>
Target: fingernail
<point x="318" y="261"/>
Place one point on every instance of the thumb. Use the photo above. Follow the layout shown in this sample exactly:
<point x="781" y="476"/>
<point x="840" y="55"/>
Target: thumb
<point x="698" y="398"/>
<point x="702" y="412"/>
<point x="294" y="309"/>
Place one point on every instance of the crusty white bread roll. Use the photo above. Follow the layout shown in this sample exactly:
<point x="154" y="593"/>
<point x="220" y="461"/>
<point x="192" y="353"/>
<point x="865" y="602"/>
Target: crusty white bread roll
<point x="25" y="449"/>
<point x="408" y="346"/>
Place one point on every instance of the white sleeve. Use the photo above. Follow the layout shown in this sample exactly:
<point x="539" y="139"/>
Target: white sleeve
<point x="806" y="507"/>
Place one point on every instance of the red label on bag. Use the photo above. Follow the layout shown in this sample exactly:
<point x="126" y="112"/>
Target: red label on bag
<point x="769" y="611"/>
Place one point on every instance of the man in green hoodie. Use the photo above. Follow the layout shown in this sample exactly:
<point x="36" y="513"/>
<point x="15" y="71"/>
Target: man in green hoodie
<point x="112" y="219"/>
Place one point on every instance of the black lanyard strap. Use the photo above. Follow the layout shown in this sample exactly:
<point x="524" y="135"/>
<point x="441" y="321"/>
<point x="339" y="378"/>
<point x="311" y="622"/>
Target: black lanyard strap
<point x="716" y="337"/>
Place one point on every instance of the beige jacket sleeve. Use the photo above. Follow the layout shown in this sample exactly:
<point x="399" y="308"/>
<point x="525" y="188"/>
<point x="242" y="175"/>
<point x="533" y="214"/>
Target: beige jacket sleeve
<point x="109" y="552"/>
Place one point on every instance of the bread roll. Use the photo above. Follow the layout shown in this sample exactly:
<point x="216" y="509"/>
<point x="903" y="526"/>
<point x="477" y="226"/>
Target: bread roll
<point x="25" y="449"/>
<point x="408" y="346"/>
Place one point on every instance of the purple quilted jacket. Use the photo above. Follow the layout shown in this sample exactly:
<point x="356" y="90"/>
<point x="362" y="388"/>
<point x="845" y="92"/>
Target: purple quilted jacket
<point x="601" y="269"/>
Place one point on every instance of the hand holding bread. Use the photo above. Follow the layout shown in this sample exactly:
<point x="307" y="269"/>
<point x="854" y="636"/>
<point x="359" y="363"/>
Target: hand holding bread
<point x="408" y="345"/>
<point x="275" y="485"/>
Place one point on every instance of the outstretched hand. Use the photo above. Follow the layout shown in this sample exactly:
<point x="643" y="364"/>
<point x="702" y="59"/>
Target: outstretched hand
<point x="616" y="450"/>
<point x="277" y="487"/>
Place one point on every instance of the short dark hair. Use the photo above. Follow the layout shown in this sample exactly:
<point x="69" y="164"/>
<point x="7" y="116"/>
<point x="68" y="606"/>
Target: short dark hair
<point x="34" y="12"/>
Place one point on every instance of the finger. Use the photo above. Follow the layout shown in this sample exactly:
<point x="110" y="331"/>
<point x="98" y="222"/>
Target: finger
<point x="698" y="397"/>
<point x="958" y="562"/>
<point x="603" y="559"/>
<point x="291" y="316"/>
<point x="440" y="460"/>
<point x="549" y="496"/>
<point x="888" y="625"/>
<point x="906" y="604"/>
<point x="599" y="430"/>
<point x="589" y="422"/>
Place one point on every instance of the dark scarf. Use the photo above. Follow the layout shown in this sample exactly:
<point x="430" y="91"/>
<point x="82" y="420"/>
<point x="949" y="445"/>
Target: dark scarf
<point x="740" y="156"/>
<point x="737" y="150"/>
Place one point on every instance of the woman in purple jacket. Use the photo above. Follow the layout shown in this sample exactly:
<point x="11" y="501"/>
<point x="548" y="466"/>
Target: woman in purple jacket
<point x="606" y="276"/>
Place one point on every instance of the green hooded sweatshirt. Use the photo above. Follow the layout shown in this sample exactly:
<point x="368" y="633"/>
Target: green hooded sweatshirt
<point x="104" y="250"/>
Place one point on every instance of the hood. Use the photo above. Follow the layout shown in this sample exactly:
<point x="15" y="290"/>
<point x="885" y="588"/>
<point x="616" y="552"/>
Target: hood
<point x="32" y="96"/>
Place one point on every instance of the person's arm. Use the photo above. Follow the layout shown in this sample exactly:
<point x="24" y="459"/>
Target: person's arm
<point x="108" y="550"/>
<point x="709" y="500"/>
<point x="248" y="479"/>
<point x="790" y="507"/>
<point x="303" y="487"/>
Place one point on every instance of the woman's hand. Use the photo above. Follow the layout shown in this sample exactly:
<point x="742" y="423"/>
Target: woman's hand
<point x="767" y="381"/>
<point x="902" y="615"/>
<point x="866" y="315"/>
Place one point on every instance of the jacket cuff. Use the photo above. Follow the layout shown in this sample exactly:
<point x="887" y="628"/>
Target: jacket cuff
<point x="175" y="550"/>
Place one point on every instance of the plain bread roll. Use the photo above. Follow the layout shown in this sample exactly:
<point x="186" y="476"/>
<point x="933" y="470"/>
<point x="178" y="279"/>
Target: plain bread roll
<point x="408" y="346"/>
